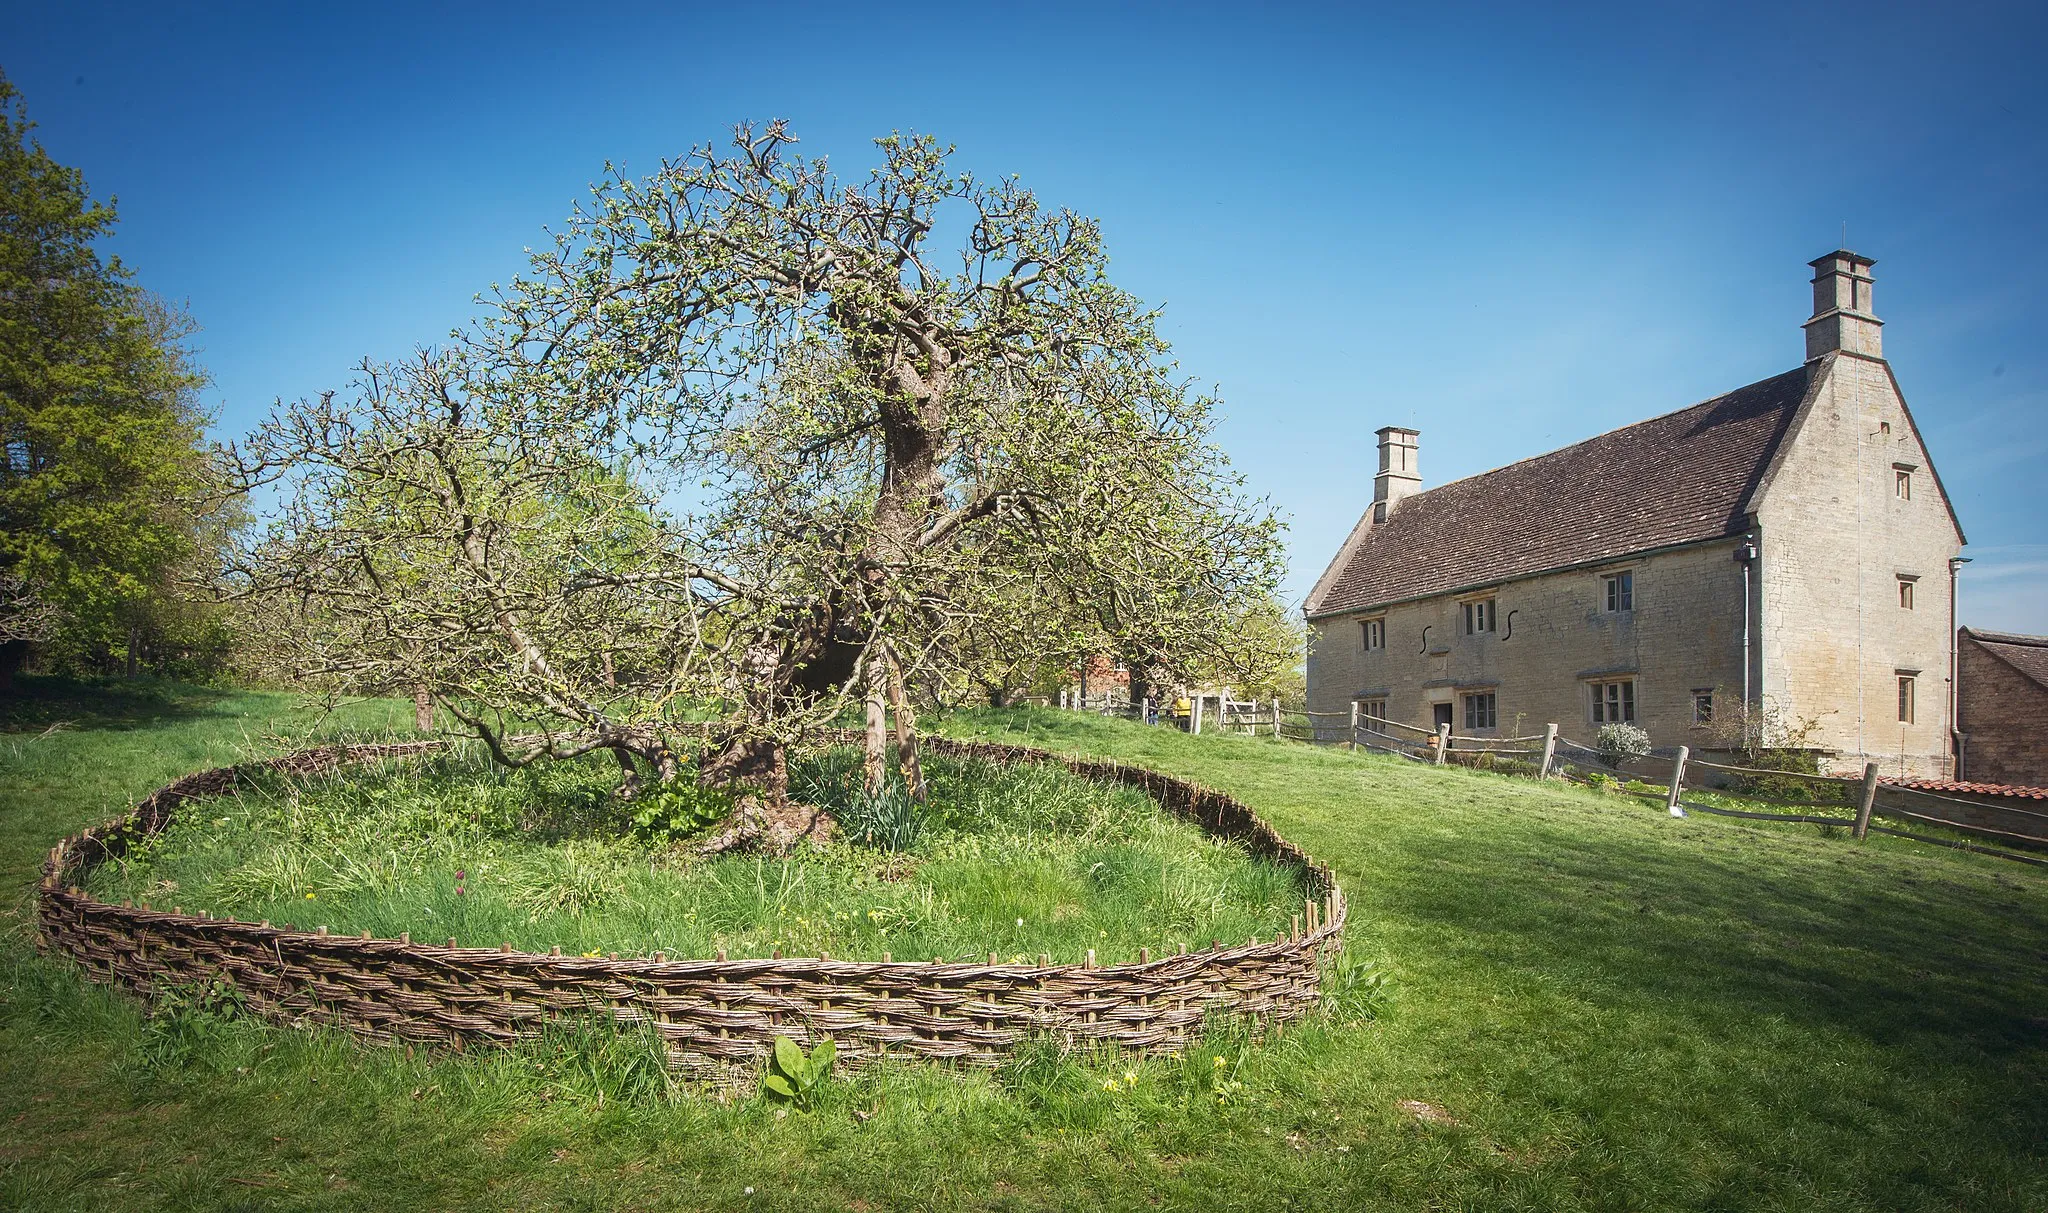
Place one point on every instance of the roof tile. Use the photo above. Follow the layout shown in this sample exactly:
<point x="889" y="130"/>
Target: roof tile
<point x="2027" y="654"/>
<point x="1679" y="478"/>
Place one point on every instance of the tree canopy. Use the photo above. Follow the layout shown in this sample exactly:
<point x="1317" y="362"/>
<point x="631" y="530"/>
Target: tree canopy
<point x="98" y="414"/>
<point x="747" y="441"/>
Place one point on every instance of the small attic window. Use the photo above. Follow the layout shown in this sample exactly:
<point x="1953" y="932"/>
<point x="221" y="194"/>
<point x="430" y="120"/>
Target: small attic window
<point x="1375" y="633"/>
<point x="1884" y="427"/>
<point x="1902" y="481"/>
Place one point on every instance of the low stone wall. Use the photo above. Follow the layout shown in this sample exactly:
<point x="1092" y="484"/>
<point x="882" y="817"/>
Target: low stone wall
<point x="714" y="1015"/>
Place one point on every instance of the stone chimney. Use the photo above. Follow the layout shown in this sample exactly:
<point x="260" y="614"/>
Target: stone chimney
<point x="1842" y="319"/>
<point x="1398" y="476"/>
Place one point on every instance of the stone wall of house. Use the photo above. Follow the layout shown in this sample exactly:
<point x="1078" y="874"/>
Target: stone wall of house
<point x="2004" y="718"/>
<point x="1553" y="638"/>
<point x="1836" y="538"/>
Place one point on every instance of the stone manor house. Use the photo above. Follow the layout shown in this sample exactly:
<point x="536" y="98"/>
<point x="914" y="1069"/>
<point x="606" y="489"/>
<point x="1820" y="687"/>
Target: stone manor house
<point x="1786" y="546"/>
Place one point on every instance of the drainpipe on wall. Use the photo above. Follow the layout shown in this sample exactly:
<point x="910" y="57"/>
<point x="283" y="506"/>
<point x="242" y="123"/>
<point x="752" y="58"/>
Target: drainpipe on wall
<point x="1745" y="554"/>
<point x="1955" y="731"/>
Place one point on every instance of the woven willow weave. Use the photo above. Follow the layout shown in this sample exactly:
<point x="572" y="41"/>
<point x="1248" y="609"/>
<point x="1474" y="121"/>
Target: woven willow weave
<point x="715" y="1016"/>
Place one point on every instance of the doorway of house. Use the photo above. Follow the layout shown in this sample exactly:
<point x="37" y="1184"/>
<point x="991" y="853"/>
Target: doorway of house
<point x="1443" y="715"/>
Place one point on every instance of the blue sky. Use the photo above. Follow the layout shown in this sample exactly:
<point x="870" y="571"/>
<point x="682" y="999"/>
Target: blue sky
<point x="1508" y="228"/>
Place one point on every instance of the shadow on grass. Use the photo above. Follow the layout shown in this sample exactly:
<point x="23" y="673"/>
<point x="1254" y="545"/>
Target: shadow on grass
<point x="38" y="702"/>
<point x="1732" y="932"/>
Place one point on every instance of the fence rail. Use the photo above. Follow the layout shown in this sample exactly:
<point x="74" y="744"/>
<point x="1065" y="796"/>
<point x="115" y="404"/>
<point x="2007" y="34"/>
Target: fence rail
<point x="1551" y="752"/>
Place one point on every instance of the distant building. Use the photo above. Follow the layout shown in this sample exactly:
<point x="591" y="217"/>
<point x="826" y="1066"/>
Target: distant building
<point x="1787" y="545"/>
<point x="1101" y="675"/>
<point x="2002" y="707"/>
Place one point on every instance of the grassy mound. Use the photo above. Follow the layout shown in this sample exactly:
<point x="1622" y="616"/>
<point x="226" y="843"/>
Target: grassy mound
<point x="1013" y="860"/>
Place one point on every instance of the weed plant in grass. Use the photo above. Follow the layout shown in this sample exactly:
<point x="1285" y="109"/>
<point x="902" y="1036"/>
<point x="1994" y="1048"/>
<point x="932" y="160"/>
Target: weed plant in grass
<point x="1016" y="860"/>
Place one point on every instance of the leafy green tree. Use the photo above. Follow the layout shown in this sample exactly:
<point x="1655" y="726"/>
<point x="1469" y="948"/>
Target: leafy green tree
<point x="885" y="432"/>
<point x="98" y="416"/>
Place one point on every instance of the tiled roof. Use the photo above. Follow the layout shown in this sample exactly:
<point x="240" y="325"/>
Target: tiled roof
<point x="1974" y="789"/>
<point x="1679" y="478"/>
<point x="2027" y="654"/>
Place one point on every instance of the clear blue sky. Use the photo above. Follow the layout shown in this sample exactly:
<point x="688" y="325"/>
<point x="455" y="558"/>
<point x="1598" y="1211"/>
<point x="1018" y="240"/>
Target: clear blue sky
<point x="1508" y="228"/>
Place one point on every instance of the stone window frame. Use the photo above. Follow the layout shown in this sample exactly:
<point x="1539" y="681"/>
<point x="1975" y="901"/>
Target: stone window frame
<point x="1618" y="591"/>
<point x="1906" y="582"/>
<point x="1372" y="631"/>
<point x="1909" y="689"/>
<point x="1480" y="614"/>
<point x="1702" y="707"/>
<point x="1480" y="709"/>
<point x="1626" y="698"/>
<point x="1902" y="480"/>
<point x="1372" y="707"/>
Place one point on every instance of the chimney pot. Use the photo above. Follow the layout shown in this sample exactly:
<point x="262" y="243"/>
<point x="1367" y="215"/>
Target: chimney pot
<point x="1398" y="475"/>
<point x="1842" y="317"/>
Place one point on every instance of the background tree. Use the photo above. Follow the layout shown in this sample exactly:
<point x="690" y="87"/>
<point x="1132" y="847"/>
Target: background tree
<point x="1261" y="653"/>
<point x="861" y="454"/>
<point x="98" y="417"/>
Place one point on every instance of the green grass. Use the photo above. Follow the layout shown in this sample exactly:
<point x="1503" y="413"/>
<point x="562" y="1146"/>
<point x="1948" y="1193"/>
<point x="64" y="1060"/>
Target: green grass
<point x="1612" y="1009"/>
<point x="1013" y="860"/>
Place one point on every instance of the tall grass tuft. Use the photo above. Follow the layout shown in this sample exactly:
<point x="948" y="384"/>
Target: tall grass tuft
<point x="1019" y="860"/>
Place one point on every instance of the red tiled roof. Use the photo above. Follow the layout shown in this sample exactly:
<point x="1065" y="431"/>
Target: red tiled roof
<point x="1675" y="479"/>
<point x="1974" y="789"/>
<point x="2027" y="654"/>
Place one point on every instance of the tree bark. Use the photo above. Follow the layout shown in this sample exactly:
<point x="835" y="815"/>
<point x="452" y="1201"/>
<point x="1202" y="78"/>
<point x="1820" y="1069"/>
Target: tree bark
<point x="758" y="761"/>
<point x="134" y="648"/>
<point x="876" y="764"/>
<point x="629" y="778"/>
<point x="422" y="709"/>
<point x="13" y="653"/>
<point x="906" y="730"/>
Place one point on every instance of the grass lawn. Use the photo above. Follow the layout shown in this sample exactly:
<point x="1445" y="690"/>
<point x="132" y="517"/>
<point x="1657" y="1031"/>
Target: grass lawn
<point x="1594" y="1006"/>
<point x="1019" y="861"/>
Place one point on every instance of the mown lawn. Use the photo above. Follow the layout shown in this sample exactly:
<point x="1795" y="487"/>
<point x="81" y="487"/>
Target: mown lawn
<point x="1601" y="1007"/>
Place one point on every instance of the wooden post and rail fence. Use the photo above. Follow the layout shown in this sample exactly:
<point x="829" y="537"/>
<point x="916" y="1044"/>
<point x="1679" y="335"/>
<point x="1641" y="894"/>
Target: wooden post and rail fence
<point x="1829" y="800"/>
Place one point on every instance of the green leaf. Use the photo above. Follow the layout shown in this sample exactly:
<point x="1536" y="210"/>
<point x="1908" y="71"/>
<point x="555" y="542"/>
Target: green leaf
<point x="822" y="1058"/>
<point x="789" y="1059"/>
<point x="776" y="1084"/>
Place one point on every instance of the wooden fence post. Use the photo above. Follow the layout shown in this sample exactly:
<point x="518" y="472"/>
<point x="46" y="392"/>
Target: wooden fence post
<point x="1352" y="744"/>
<point x="1869" y="799"/>
<point x="1443" y="742"/>
<point x="1195" y="716"/>
<point x="1276" y="718"/>
<point x="1677" y="783"/>
<point x="1549" y="750"/>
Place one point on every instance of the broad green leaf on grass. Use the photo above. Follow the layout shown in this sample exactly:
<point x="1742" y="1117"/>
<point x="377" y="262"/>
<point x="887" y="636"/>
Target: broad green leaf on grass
<point x="779" y="1085"/>
<point x="822" y="1058"/>
<point x="788" y="1058"/>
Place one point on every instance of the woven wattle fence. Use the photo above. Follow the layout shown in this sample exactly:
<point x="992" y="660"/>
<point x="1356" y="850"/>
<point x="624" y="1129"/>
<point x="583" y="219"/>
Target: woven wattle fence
<point x="714" y="1015"/>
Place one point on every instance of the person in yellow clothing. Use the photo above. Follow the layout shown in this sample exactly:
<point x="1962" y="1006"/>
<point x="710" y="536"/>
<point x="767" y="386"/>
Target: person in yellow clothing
<point x="1181" y="707"/>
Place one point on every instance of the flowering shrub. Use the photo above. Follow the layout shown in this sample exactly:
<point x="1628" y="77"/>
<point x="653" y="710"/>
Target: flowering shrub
<point x="1619" y="743"/>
